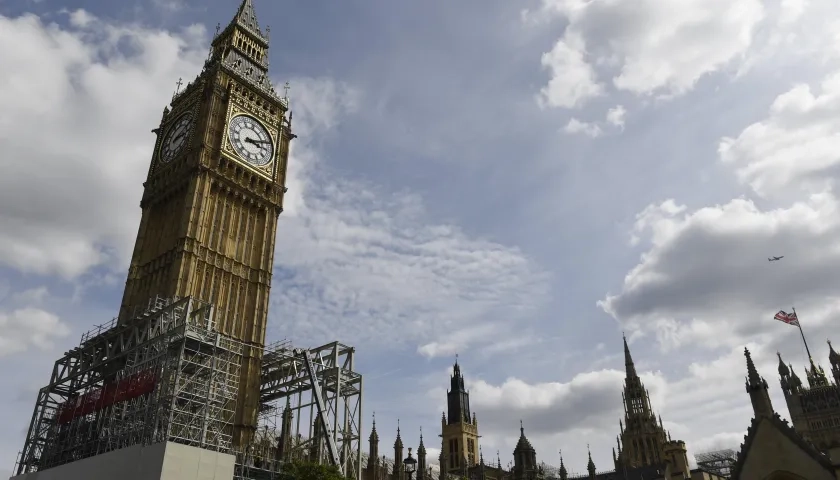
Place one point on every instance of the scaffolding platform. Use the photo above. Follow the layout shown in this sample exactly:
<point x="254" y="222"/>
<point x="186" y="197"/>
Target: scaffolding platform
<point x="164" y="376"/>
<point x="310" y="409"/>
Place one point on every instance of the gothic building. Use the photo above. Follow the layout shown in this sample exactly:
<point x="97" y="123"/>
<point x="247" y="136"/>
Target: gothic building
<point x="643" y="442"/>
<point x="815" y="408"/>
<point x="772" y="449"/>
<point x="645" y="449"/>
<point x="212" y="198"/>
<point x="459" y="429"/>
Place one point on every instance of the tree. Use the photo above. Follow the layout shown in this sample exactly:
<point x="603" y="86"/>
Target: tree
<point x="301" y="470"/>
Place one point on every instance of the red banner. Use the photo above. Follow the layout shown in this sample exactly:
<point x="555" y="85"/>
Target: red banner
<point x="130" y="387"/>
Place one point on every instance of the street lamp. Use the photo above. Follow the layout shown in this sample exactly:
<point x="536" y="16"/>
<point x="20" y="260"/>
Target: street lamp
<point x="410" y="464"/>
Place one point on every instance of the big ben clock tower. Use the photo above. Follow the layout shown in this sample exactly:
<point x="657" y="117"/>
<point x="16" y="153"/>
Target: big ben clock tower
<point x="212" y="198"/>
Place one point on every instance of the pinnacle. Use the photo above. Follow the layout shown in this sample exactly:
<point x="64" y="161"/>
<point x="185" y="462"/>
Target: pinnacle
<point x="833" y="356"/>
<point x="752" y="374"/>
<point x="628" y="360"/>
<point x="783" y="369"/>
<point x="246" y="18"/>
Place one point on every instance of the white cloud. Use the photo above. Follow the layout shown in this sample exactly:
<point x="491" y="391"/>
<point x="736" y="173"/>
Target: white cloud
<point x="29" y="327"/>
<point x="573" y="80"/>
<point x="346" y="249"/>
<point x="796" y="148"/>
<point x="705" y="266"/>
<point x="576" y="126"/>
<point x="64" y="127"/>
<point x="650" y="47"/>
<point x="615" y="116"/>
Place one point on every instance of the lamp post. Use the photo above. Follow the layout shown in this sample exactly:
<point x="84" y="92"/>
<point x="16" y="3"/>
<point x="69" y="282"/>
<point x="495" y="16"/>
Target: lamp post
<point x="410" y="464"/>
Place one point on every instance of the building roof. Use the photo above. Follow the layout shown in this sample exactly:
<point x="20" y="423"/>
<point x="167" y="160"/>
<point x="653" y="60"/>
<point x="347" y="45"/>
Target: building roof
<point x="783" y="427"/>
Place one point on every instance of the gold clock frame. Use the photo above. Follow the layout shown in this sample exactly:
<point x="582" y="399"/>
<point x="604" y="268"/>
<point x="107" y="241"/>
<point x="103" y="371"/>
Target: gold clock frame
<point x="267" y="170"/>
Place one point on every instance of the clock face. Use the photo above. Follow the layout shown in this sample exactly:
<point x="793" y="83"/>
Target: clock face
<point x="251" y="140"/>
<point x="176" y="138"/>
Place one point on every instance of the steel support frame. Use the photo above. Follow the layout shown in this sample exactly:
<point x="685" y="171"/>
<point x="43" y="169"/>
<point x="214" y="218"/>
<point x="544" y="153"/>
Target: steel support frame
<point x="196" y="371"/>
<point x="323" y="391"/>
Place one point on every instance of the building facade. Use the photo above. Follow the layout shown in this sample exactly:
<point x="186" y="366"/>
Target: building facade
<point x="212" y="197"/>
<point x="772" y="448"/>
<point x="815" y="407"/>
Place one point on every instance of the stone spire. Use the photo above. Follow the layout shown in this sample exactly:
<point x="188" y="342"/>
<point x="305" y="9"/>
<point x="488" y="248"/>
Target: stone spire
<point x="628" y="360"/>
<point x="458" y="398"/>
<point x="398" y="454"/>
<point x="757" y="389"/>
<point x="590" y="466"/>
<point x="524" y="457"/>
<point x="783" y="369"/>
<point x="816" y="375"/>
<point x="246" y="19"/>
<point x="421" y="458"/>
<point x="373" y="440"/>
<point x="834" y="359"/>
<point x="561" y="472"/>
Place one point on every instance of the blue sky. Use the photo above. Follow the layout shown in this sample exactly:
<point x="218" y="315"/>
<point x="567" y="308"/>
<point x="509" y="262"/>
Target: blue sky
<point x="517" y="182"/>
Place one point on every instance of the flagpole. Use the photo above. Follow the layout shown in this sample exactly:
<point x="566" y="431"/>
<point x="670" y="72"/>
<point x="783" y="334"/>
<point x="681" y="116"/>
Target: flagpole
<point x="799" y="324"/>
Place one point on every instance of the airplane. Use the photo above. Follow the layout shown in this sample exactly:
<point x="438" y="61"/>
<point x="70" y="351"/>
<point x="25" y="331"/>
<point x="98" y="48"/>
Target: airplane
<point x="773" y="259"/>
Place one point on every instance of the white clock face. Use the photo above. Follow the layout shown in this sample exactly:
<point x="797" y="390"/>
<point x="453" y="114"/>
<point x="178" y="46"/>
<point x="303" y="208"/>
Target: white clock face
<point x="251" y="140"/>
<point x="176" y="138"/>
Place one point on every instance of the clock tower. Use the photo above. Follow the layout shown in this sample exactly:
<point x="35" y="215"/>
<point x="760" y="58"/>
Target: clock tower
<point x="212" y="198"/>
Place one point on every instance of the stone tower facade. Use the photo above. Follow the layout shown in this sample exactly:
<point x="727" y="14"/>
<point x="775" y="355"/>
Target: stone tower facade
<point x="459" y="430"/>
<point x="756" y="387"/>
<point x="525" y="465"/>
<point x="643" y="440"/>
<point x="815" y="408"/>
<point x="212" y="198"/>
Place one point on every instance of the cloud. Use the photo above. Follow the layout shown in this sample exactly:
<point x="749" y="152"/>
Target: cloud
<point x="573" y="80"/>
<point x="796" y="148"/>
<point x="370" y="267"/>
<point x="576" y="126"/>
<point x="29" y="327"/>
<point x="64" y="127"/>
<point x="615" y="116"/>
<point x="648" y="47"/>
<point x="707" y="267"/>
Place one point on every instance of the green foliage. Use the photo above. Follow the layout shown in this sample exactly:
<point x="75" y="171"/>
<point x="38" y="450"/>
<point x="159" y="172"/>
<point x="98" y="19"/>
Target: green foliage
<point x="310" y="471"/>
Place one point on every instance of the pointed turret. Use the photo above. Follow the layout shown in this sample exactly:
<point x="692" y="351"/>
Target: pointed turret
<point x="816" y="375"/>
<point x="561" y="472"/>
<point x="458" y="399"/>
<point x="373" y="447"/>
<point x="421" y="458"/>
<point x="246" y="18"/>
<point x="524" y="457"/>
<point x="834" y="359"/>
<point x="629" y="366"/>
<point x="590" y="466"/>
<point x="642" y="435"/>
<point x="757" y="389"/>
<point x="398" y="454"/>
<point x="242" y="50"/>
<point x="784" y="371"/>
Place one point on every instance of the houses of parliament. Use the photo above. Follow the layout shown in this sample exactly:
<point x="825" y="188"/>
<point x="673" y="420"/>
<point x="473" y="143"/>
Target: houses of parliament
<point x="772" y="449"/>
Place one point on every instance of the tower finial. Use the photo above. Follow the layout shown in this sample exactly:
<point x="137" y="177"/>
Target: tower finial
<point x="629" y="366"/>
<point x="178" y="87"/>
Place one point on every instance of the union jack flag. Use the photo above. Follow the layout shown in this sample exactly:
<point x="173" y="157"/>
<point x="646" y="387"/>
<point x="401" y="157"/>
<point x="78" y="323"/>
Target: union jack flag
<point x="789" y="318"/>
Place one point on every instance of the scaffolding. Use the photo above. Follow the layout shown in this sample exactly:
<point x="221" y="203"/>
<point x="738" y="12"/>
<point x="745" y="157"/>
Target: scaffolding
<point x="719" y="462"/>
<point x="165" y="375"/>
<point x="310" y="410"/>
